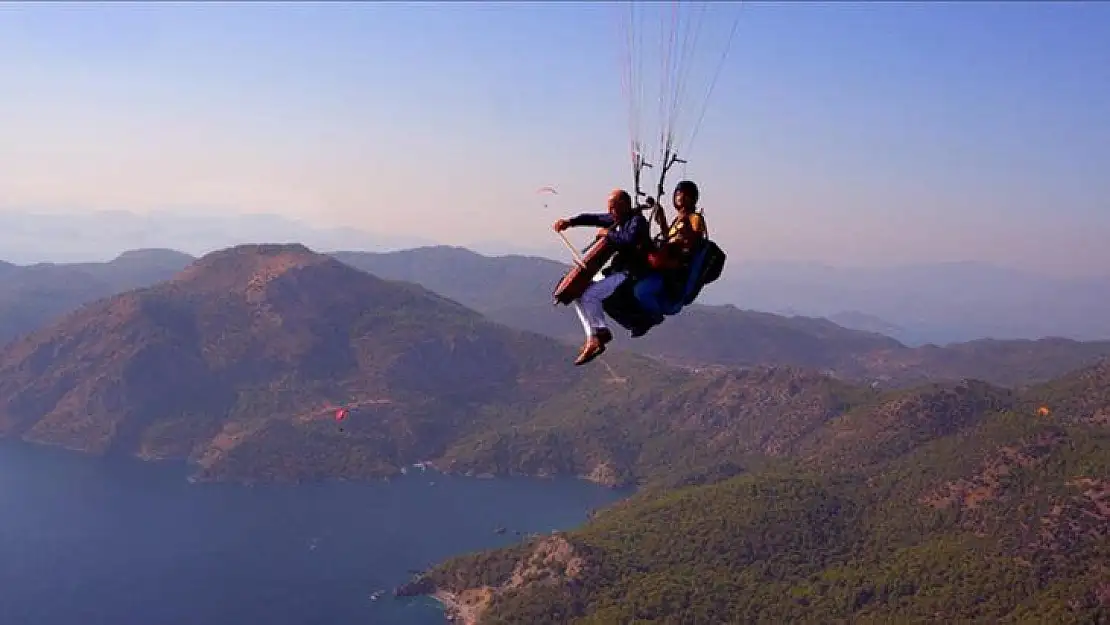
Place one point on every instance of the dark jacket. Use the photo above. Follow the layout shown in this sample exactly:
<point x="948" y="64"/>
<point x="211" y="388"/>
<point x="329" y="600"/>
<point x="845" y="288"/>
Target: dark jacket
<point x="631" y="237"/>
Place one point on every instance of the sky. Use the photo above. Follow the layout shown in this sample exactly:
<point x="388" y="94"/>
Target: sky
<point x="851" y="134"/>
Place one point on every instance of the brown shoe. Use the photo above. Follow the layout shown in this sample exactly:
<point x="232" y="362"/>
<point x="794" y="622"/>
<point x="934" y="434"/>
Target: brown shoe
<point x="604" y="335"/>
<point x="592" y="349"/>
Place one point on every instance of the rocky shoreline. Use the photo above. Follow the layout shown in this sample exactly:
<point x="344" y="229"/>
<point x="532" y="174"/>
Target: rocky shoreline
<point x="549" y="560"/>
<point x="420" y="585"/>
<point x="454" y="608"/>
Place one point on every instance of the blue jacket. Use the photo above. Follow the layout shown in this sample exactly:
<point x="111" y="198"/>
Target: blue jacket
<point x="631" y="237"/>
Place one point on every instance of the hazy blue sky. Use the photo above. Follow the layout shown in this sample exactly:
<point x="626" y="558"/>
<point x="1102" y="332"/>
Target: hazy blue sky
<point x="848" y="133"/>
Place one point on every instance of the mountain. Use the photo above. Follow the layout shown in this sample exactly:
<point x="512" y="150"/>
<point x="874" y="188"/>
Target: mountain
<point x="929" y="303"/>
<point x="137" y="268"/>
<point x="238" y="362"/>
<point x="484" y="283"/>
<point x="78" y="235"/>
<point x="648" y="425"/>
<point x="1015" y="362"/>
<point x="937" y="303"/>
<point x="704" y="336"/>
<point x="953" y="502"/>
<point x="31" y="296"/>
<point x="725" y="335"/>
<point x="856" y="320"/>
<point x="516" y="291"/>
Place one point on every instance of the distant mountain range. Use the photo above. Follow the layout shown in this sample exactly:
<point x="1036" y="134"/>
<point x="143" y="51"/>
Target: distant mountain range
<point x="80" y="236"/>
<point x="34" y="295"/>
<point x="515" y="291"/>
<point x="917" y="304"/>
<point x="938" y="303"/>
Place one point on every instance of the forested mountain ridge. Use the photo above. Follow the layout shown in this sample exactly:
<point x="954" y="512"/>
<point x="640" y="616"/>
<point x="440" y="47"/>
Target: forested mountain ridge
<point x="945" y="503"/>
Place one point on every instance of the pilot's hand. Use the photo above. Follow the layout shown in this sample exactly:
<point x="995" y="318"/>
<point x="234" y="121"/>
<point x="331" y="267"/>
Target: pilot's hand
<point x="561" y="225"/>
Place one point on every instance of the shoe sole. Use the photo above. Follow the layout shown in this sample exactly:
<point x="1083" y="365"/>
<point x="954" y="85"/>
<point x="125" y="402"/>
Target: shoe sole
<point x="591" y="358"/>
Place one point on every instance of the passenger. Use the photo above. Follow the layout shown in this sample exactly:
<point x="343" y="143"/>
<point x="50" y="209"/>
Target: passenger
<point x="661" y="291"/>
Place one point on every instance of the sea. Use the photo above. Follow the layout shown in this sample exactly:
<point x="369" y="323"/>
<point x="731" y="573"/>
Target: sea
<point x="94" y="541"/>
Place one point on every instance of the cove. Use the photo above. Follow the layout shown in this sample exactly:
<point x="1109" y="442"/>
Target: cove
<point x="114" y="542"/>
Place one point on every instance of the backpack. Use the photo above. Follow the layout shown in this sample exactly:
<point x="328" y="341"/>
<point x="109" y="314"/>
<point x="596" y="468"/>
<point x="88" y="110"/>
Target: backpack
<point x="705" y="268"/>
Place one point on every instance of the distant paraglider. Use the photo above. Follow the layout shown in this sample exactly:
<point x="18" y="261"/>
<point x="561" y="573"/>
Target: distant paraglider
<point x="546" y="191"/>
<point x="340" y="413"/>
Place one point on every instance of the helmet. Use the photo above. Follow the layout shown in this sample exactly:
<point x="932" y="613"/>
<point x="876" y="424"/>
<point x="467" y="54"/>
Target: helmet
<point x="689" y="189"/>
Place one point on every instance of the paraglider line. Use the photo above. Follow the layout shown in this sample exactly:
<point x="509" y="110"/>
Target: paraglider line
<point x="613" y="377"/>
<point x="713" y="83"/>
<point x="680" y="94"/>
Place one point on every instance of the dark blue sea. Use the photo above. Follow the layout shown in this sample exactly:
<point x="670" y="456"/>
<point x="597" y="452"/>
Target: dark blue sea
<point x="87" y="541"/>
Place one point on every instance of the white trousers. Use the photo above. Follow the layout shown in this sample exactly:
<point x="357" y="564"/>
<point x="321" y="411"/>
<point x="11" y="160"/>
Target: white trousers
<point x="589" y="307"/>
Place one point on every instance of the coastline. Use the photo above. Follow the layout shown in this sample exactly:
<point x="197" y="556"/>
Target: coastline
<point x="455" y="610"/>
